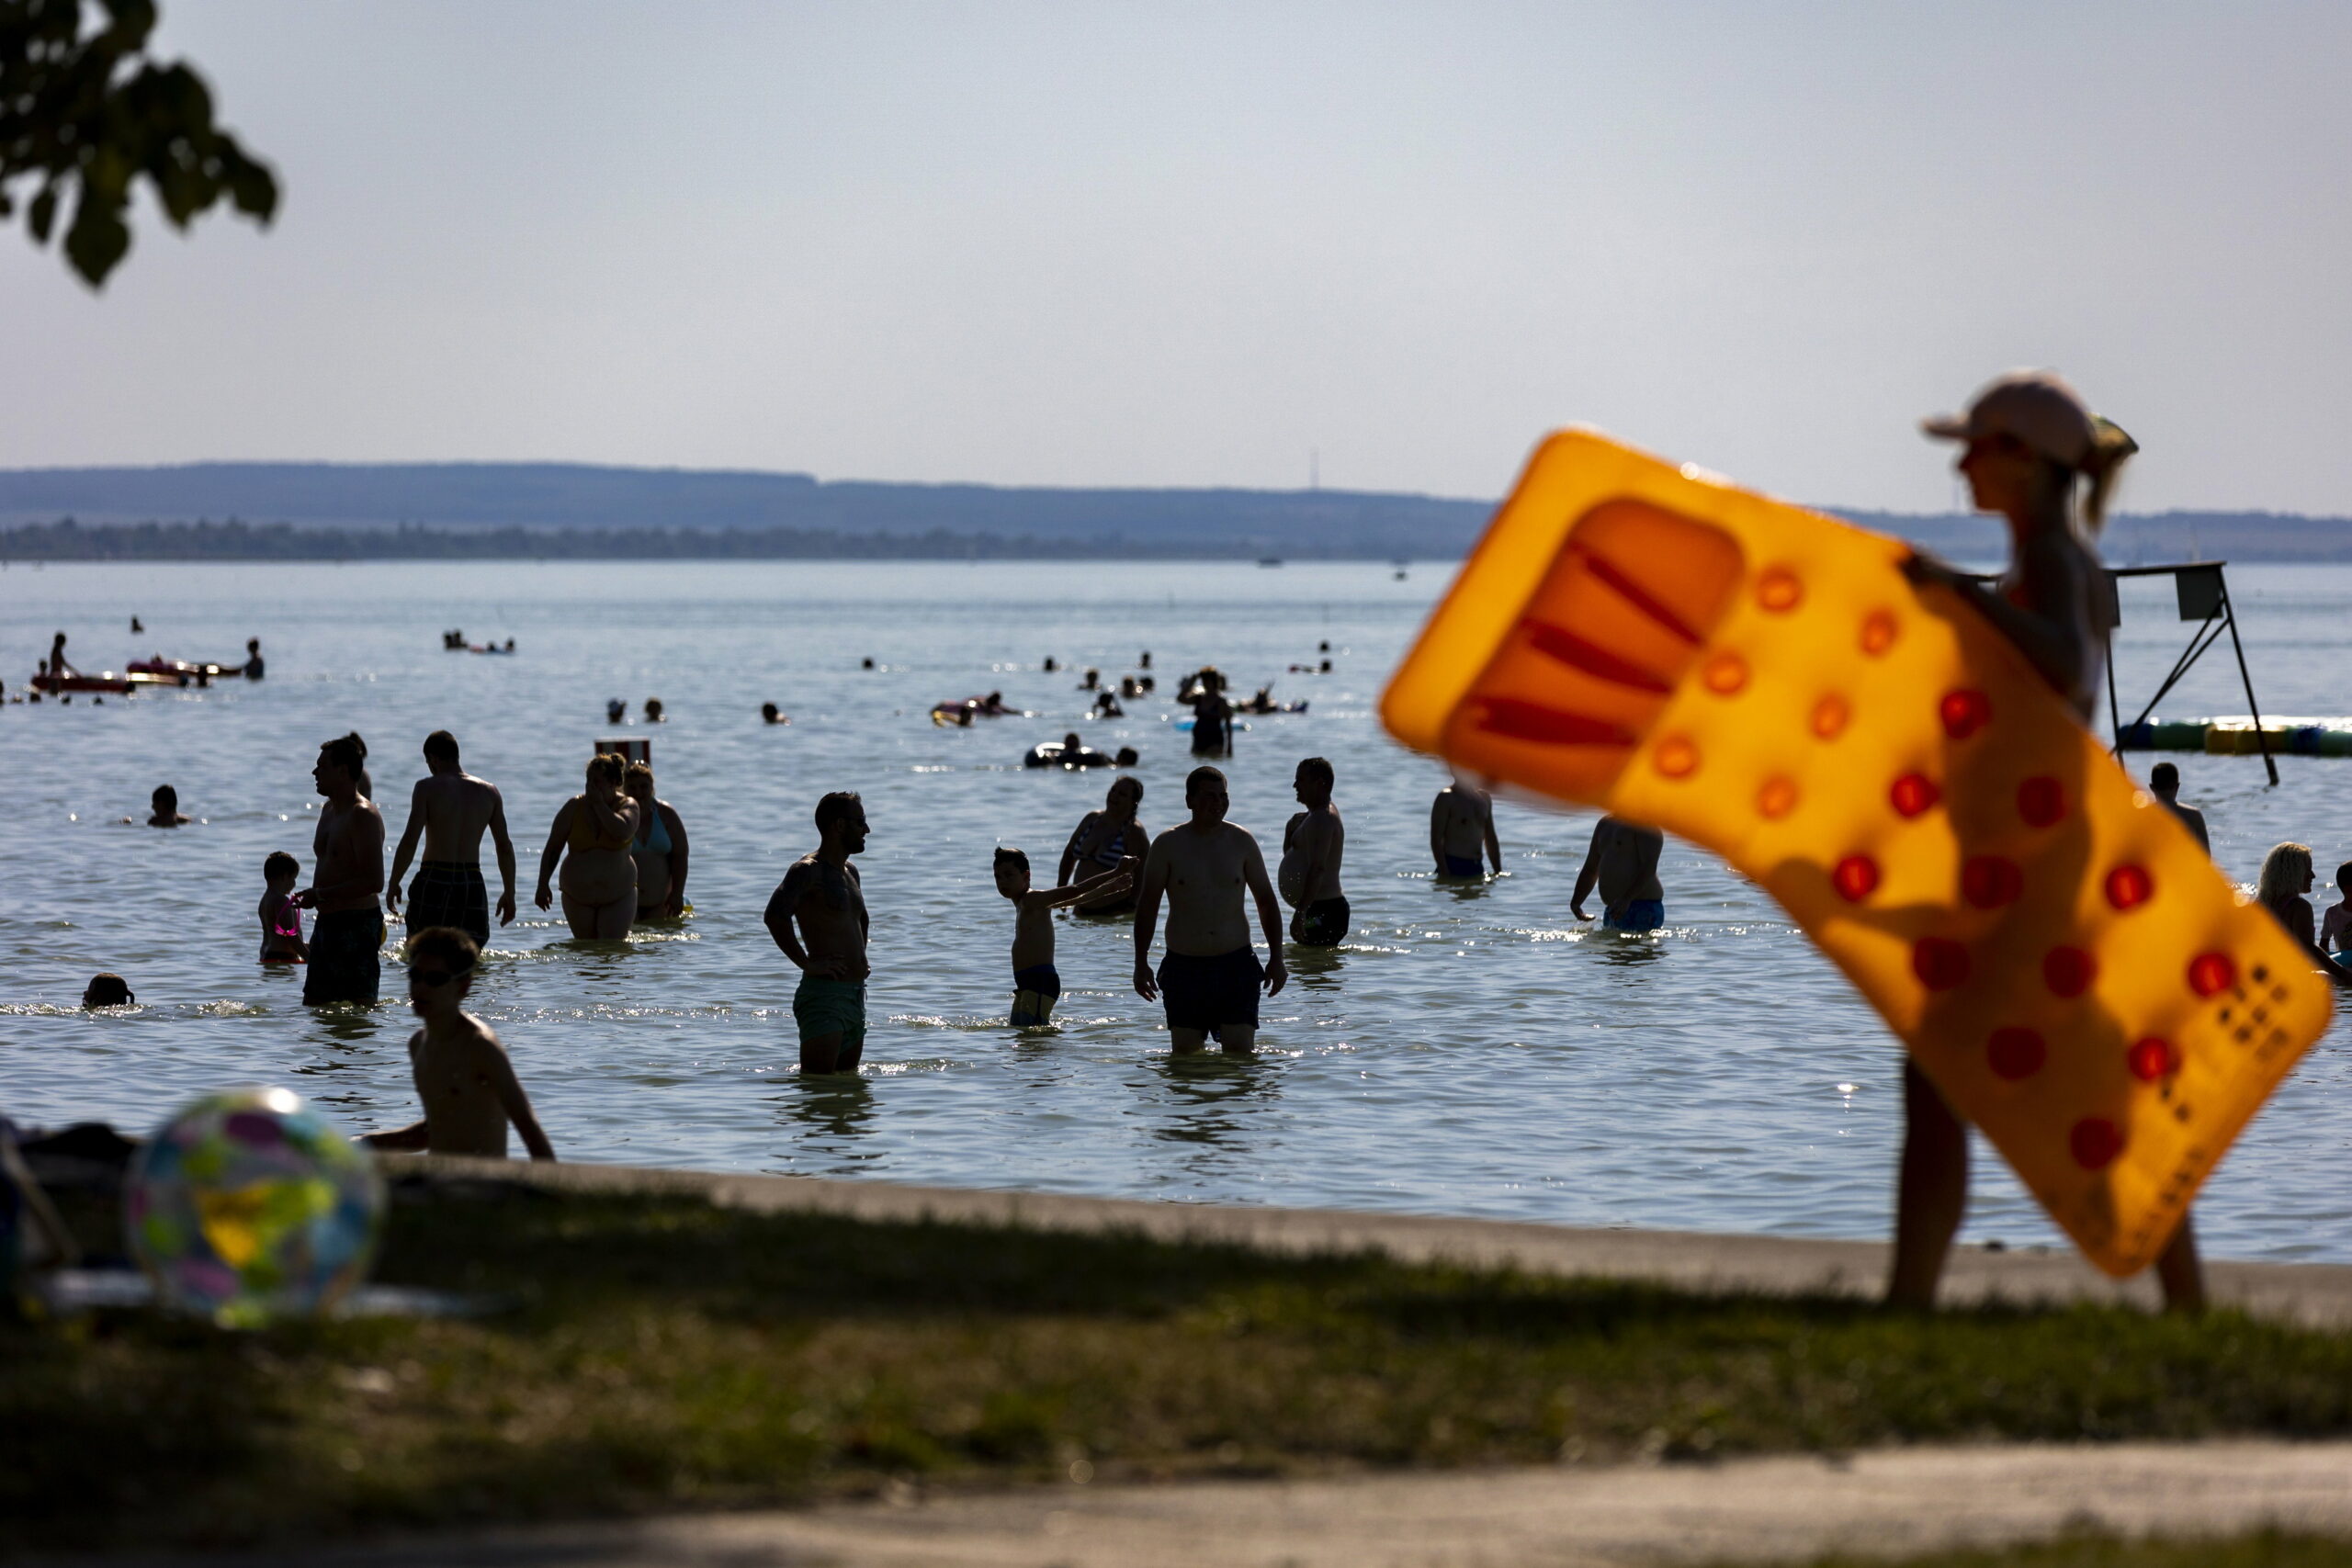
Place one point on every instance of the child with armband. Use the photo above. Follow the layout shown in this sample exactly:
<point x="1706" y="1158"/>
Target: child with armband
<point x="1036" y="985"/>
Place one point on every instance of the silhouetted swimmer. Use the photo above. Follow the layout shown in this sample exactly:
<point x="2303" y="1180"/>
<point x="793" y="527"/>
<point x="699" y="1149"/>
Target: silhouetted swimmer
<point x="464" y="1077"/>
<point x="166" y="808"/>
<point x="865" y="664"/>
<point x="108" y="990"/>
<point x="2027" y="442"/>
<point x="593" y="832"/>
<point x="1210" y="976"/>
<point x="281" y="918"/>
<point x="2336" y="926"/>
<point x="615" y="711"/>
<point x="1105" y="841"/>
<point x="824" y="896"/>
<point x="135" y="627"/>
<point x="2286" y="876"/>
<point x="1462" y="825"/>
<point x="2163" y="783"/>
<point x="347" y="874"/>
<point x="1128" y="757"/>
<point x="1623" y="859"/>
<point x="770" y="714"/>
<point x="1143" y="662"/>
<point x="1037" y="984"/>
<point x="660" y="850"/>
<point x="653" y="714"/>
<point x="1050" y="665"/>
<point x="1314" y="843"/>
<point x="253" y="666"/>
<point x="451" y="809"/>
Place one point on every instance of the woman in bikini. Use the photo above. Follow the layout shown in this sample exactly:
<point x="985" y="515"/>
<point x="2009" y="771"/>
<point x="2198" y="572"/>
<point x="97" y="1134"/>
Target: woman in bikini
<point x="659" y="849"/>
<point x="1102" y="841"/>
<point x="592" y="833"/>
<point x="2286" y="876"/>
<point x="2028" y="444"/>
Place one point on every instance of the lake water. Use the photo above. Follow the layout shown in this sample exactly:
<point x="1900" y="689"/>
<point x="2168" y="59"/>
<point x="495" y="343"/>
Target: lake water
<point x="1469" y="1051"/>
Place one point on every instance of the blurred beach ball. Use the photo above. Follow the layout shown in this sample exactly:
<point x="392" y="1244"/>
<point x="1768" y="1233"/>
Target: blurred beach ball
<point x="250" y="1206"/>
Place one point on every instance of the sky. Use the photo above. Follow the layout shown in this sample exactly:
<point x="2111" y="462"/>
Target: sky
<point x="1199" y="244"/>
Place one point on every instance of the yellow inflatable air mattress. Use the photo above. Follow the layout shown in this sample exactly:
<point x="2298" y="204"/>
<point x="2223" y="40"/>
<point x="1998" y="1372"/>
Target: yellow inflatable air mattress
<point x="2053" y="949"/>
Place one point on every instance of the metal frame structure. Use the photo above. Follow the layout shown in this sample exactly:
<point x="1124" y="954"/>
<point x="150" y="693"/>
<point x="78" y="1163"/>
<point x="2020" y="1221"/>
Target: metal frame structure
<point x="2202" y="592"/>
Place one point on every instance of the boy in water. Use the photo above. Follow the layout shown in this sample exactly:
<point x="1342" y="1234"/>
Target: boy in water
<point x="281" y="920"/>
<point x="1036" y="986"/>
<point x="462" y="1073"/>
<point x="2336" y="926"/>
<point x="166" y="812"/>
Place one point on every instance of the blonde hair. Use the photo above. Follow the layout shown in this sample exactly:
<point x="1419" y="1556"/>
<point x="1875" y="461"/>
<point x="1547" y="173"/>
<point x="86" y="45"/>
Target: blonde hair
<point x="2110" y="447"/>
<point x="2283" y="870"/>
<point x="609" y="766"/>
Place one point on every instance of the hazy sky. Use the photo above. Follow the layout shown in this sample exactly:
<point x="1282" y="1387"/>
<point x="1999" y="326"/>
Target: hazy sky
<point x="1186" y="245"/>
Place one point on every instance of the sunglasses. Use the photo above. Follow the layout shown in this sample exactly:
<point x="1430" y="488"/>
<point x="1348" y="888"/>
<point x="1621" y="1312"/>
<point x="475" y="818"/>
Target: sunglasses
<point x="435" y="978"/>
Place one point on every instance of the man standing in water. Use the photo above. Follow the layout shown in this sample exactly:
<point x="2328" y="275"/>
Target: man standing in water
<point x="452" y="809"/>
<point x="1462" y="823"/>
<point x="347" y="860"/>
<point x="2163" y="783"/>
<point x="1623" y="860"/>
<point x="824" y="893"/>
<point x="1210" y="975"/>
<point x="1313" y="845"/>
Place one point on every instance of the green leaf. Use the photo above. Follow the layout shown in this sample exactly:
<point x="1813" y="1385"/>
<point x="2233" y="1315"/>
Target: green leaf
<point x="97" y="240"/>
<point x="43" y="212"/>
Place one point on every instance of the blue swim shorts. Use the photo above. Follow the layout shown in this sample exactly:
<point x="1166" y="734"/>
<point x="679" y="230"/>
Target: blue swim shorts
<point x="1638" y="915"/>
<point x="831" y="1007"/>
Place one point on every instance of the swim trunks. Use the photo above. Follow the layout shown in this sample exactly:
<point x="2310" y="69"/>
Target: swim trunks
<point x="450" y="893"/>
<point x="1638" y="915"/>
<point x="1320" y="924"/>
<point x="831" y="1007"/>
<point x="1456" y="865"/>
<point x="1035" y="991"/>
<point x="1209" y="994"/>
<point x="347" y="957"/>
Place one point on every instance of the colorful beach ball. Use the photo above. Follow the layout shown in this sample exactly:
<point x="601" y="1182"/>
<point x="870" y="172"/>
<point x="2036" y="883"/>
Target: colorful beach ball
<point x="250" y="1206"/>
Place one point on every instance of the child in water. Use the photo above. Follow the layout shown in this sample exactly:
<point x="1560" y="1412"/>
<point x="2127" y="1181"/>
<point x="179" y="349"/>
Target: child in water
<point x="1035" y="984"/>
<point x="281" y="918"/>
<point x="463" y="1076"/>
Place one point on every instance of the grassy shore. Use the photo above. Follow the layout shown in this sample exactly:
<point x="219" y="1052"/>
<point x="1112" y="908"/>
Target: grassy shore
<point x="663" y="1355"/>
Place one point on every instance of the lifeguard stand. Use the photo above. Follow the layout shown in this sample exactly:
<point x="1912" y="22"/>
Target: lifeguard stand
<point x="2202" y="593"/>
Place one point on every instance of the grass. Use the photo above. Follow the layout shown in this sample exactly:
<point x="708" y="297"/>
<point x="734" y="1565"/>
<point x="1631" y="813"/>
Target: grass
<point x="665" y="1355"/>
<point x="2265" y="1549"/>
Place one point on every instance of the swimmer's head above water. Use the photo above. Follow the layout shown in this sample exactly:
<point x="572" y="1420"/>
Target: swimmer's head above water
<point x="109" y="990"/>
<point x="1012" y="872"/>
<point x="440" y="970"/>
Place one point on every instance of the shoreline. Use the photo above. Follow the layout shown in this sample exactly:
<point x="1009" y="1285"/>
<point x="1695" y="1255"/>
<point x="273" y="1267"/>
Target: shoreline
<point x="2307" y="1295"/>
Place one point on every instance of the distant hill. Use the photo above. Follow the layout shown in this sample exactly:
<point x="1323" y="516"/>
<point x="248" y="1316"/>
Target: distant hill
<point x="335" y="511"/>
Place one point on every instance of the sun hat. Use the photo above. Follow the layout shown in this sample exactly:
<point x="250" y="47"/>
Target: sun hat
<point x="2035" y="408"/>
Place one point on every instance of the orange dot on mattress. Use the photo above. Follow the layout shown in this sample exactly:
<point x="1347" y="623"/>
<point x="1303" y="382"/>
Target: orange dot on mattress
<point x="1777" y="798"/>
<point x="1912" y="793"/>
<point x="2095" y="1142"/>
<point x="1777" y="589"/>
<point x="1964" y="712"/>
<point x="2068" y="971"/>
<point x="1677" y="758"/>
<point x="1878" y="632"/>
<point x="1726" y="673"/>
<point x="1988" y="881"/>
<point x="1830" y="716"/>
<point x="1940" y="962"/>
<point x="2211" y="973"/>
<point x="1855" y="878"/>
<point x="2150" y="1059"/>
<point x="2015" y="1054"/>
<point x="2042" y="801"/>
<point x="2128" y="887"/>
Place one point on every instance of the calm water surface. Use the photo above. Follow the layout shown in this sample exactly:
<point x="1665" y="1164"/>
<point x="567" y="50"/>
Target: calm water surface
<point x="1469" y="1051"/>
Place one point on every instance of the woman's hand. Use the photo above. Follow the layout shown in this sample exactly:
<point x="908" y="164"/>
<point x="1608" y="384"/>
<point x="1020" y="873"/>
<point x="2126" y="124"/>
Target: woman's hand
<point x="544" y="898"/>
<point x="1923" y="570"/>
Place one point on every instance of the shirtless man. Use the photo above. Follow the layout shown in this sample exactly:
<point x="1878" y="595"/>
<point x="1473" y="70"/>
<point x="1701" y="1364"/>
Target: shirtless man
<point x="463" y="1076"/>
<point x="1462" y="823"/>
<point x="57" y="665"/>
<point x="1210" y="974"/>
<point x="451" y="808"/>
<point x="1623" y="860"/>
<point x="824" y="893"/>
<point x="1313" y="845"/>
<point x="2163" y="783"/>
<point x="347" y="862"/>
<point x="1102" y="840"/>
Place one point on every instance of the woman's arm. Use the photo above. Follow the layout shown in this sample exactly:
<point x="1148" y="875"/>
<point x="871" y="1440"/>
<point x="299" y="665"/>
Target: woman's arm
<point x="678" y="854"/>
<point x="556" y="836"/>
<point x="2060" y="650"/>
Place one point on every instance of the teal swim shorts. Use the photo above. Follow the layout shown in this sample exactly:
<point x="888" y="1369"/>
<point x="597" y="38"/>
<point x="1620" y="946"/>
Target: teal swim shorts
<point x="831" y="1007"/>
